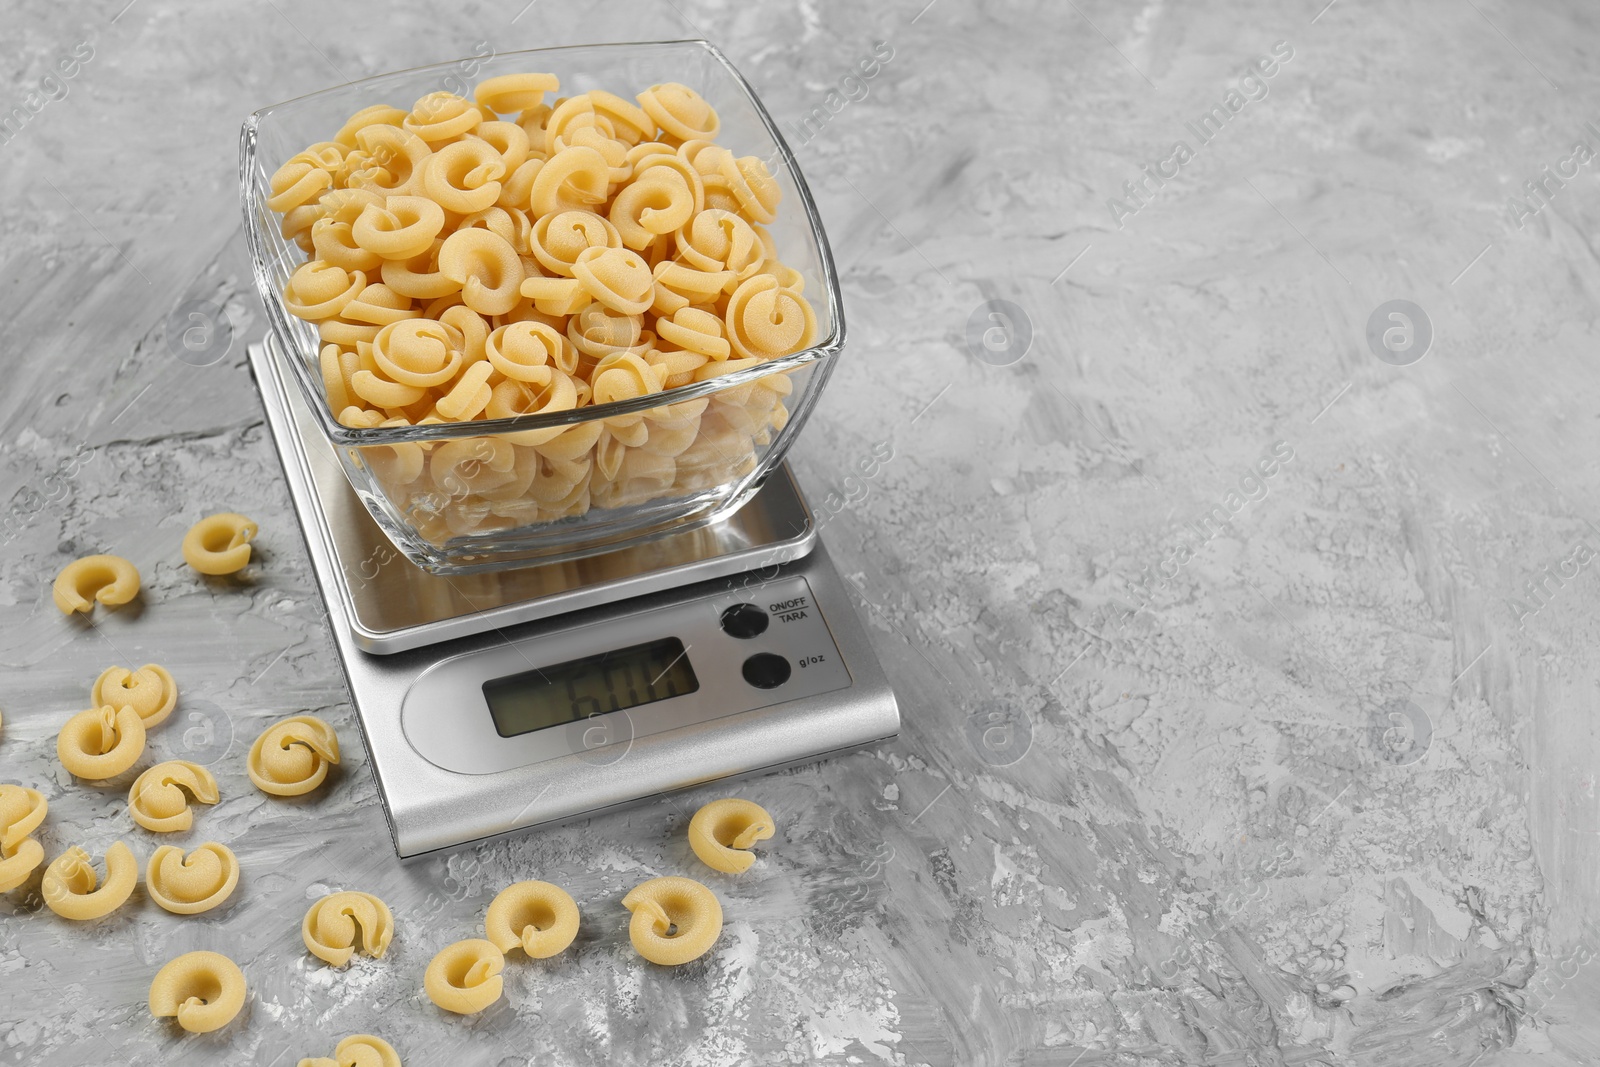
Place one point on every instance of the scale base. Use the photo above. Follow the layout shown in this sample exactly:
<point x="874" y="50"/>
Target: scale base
<point x="497" y="784"/>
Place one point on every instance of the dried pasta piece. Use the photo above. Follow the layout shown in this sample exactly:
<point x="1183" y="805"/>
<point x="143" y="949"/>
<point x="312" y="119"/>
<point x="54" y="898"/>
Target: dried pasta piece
<point x="111" y="580"/>
<point x="193" y="883"/>
<point x="319" y="290"/>
<point x="537" y="917"/>
<point x="439" y="117"/>
<point x="464" y="177"/>
<point x="101" y="742"/>
<point x="376" y="115"/>
<point x="159" y="799"/>
<point x="512" y="93"/>
<point x="722" y="831"/>
<point x="656" y="202"/>
<point x="340" y="922"/>
<point x="616" y="277"/>
<point x="766" y="320"/>
<point x="558" y="239"/>
<point x="70" y="884"/>
<point x="296" y="182"/>
<point x="388" y="161"/>
<point x="401" y="227"/>
<point x="573" y="179"/>
<point x="292" y="757"/>
<point x="219" y="544"/>
<point x="150" y="691"/>
<point x="465" y="977"/>
<point x="21" y="811"/>
<point x="485" y="266"/>
<point x="662" y="904"/>
<point x="680" y="111"/>
<point x="525" y="351"/>
<point x="358" y="1050"/>
<point x="18" y="862"/>
<point x="695" y="330"/>
<point x="203" y="990"/>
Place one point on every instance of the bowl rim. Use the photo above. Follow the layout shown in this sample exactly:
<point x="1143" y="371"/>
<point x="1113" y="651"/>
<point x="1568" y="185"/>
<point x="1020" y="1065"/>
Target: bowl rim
<point x="311" y="386"/>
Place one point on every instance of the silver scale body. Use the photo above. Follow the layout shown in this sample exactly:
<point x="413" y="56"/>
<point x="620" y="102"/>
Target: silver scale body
<point x="417" y="647"/>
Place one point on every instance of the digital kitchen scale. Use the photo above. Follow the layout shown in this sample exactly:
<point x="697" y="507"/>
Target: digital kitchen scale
<point x="497" y="701"/>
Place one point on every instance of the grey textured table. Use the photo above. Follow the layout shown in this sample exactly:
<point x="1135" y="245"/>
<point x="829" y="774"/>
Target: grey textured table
<point x="1200" y="765"/>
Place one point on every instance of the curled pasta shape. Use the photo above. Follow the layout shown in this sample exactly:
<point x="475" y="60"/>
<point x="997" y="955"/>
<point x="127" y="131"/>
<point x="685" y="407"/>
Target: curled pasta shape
<point x="101" y="742"/>
<point x="72" y="890"/>
<point x="469" y="395"/>
<point x="378" y="305"/>
<point x="202" y="990"/>
<point x="597" y="331"/>
<point x="661" y="904"/>
<point x="193" y="883"/>
<point x="523" y="350"/>
<point x="159" y="799"/>
<point x="471" y="465"/>
<point x="111" y="580"/>
<point x="417" y="352"/>
<point x="697" y="331"/>
<point x="402" y="227"/>
<point x="298" y="181"/>
<point x="150" y="691"/>
<point x="509" y="141"/>
<point x="658" y="201"/>
<point x="319" y="290"/>
<point x="537" y="917"/>
<point x="219" y="544"/>
<point x="767" y="320"/>
<point x="511" y="93"/>
<point x="19" y="862"/>
<point x="509" y="224"/>
<point x="617" y="278"/>
<point x="358" y="1050"/>
<point x="558" y="239"/>
<point x="292" y="757"/>
<point x="720" y="240"/>
<point x="486" y="268"/>
<point x="376" y="115"/>
<point x="389" y="160"/>
<point x="465" y="176"/>
<point x="419" y="277"/>
<point x="334" y="926"/>
<point x="555" y="392"/>
<point x="440" y="116"/>
<point x="21" y="811"/>
<point x="629" y="122"/>
<point x="556" y="296"/>
<point x="333" y="242"/>
<point x="465" y="977"/>
<point x="752" y="185"/>
<point x="722" y="831"/>
<point x="623" y="377"/>
<point x="573" y="179"/>
<point x="680" y="111"/>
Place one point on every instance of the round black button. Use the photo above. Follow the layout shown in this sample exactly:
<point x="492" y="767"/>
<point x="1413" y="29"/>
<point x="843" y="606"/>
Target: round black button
<point x="744" y="621"/>
<point x="764" y="670"/>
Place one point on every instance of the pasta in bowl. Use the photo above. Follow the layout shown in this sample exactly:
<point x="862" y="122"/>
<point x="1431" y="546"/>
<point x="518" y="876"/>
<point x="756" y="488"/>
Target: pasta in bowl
<point x="537" y="326"/>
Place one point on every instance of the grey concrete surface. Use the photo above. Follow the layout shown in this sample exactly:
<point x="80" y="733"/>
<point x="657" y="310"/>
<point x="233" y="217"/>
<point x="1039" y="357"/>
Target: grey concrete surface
<point x="1314" y="785"/>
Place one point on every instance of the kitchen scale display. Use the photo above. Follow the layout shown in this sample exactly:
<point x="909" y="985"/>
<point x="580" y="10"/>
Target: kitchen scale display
<point x="497" y="701"/>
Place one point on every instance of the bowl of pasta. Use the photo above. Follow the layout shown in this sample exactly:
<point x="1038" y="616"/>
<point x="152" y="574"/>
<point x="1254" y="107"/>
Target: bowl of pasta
<point x="543" y="304"/>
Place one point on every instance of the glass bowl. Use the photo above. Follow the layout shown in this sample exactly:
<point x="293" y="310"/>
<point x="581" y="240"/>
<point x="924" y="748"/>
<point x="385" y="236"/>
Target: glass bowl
<point x="541" y="488"/>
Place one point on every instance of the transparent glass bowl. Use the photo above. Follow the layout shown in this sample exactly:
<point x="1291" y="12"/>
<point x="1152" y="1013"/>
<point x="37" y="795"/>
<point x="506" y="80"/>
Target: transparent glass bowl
<point x="473" y="496"/>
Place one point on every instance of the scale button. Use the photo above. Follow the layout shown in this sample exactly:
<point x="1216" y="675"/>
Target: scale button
<point x="745" y="621"/>
<point x="766" y="670"/>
